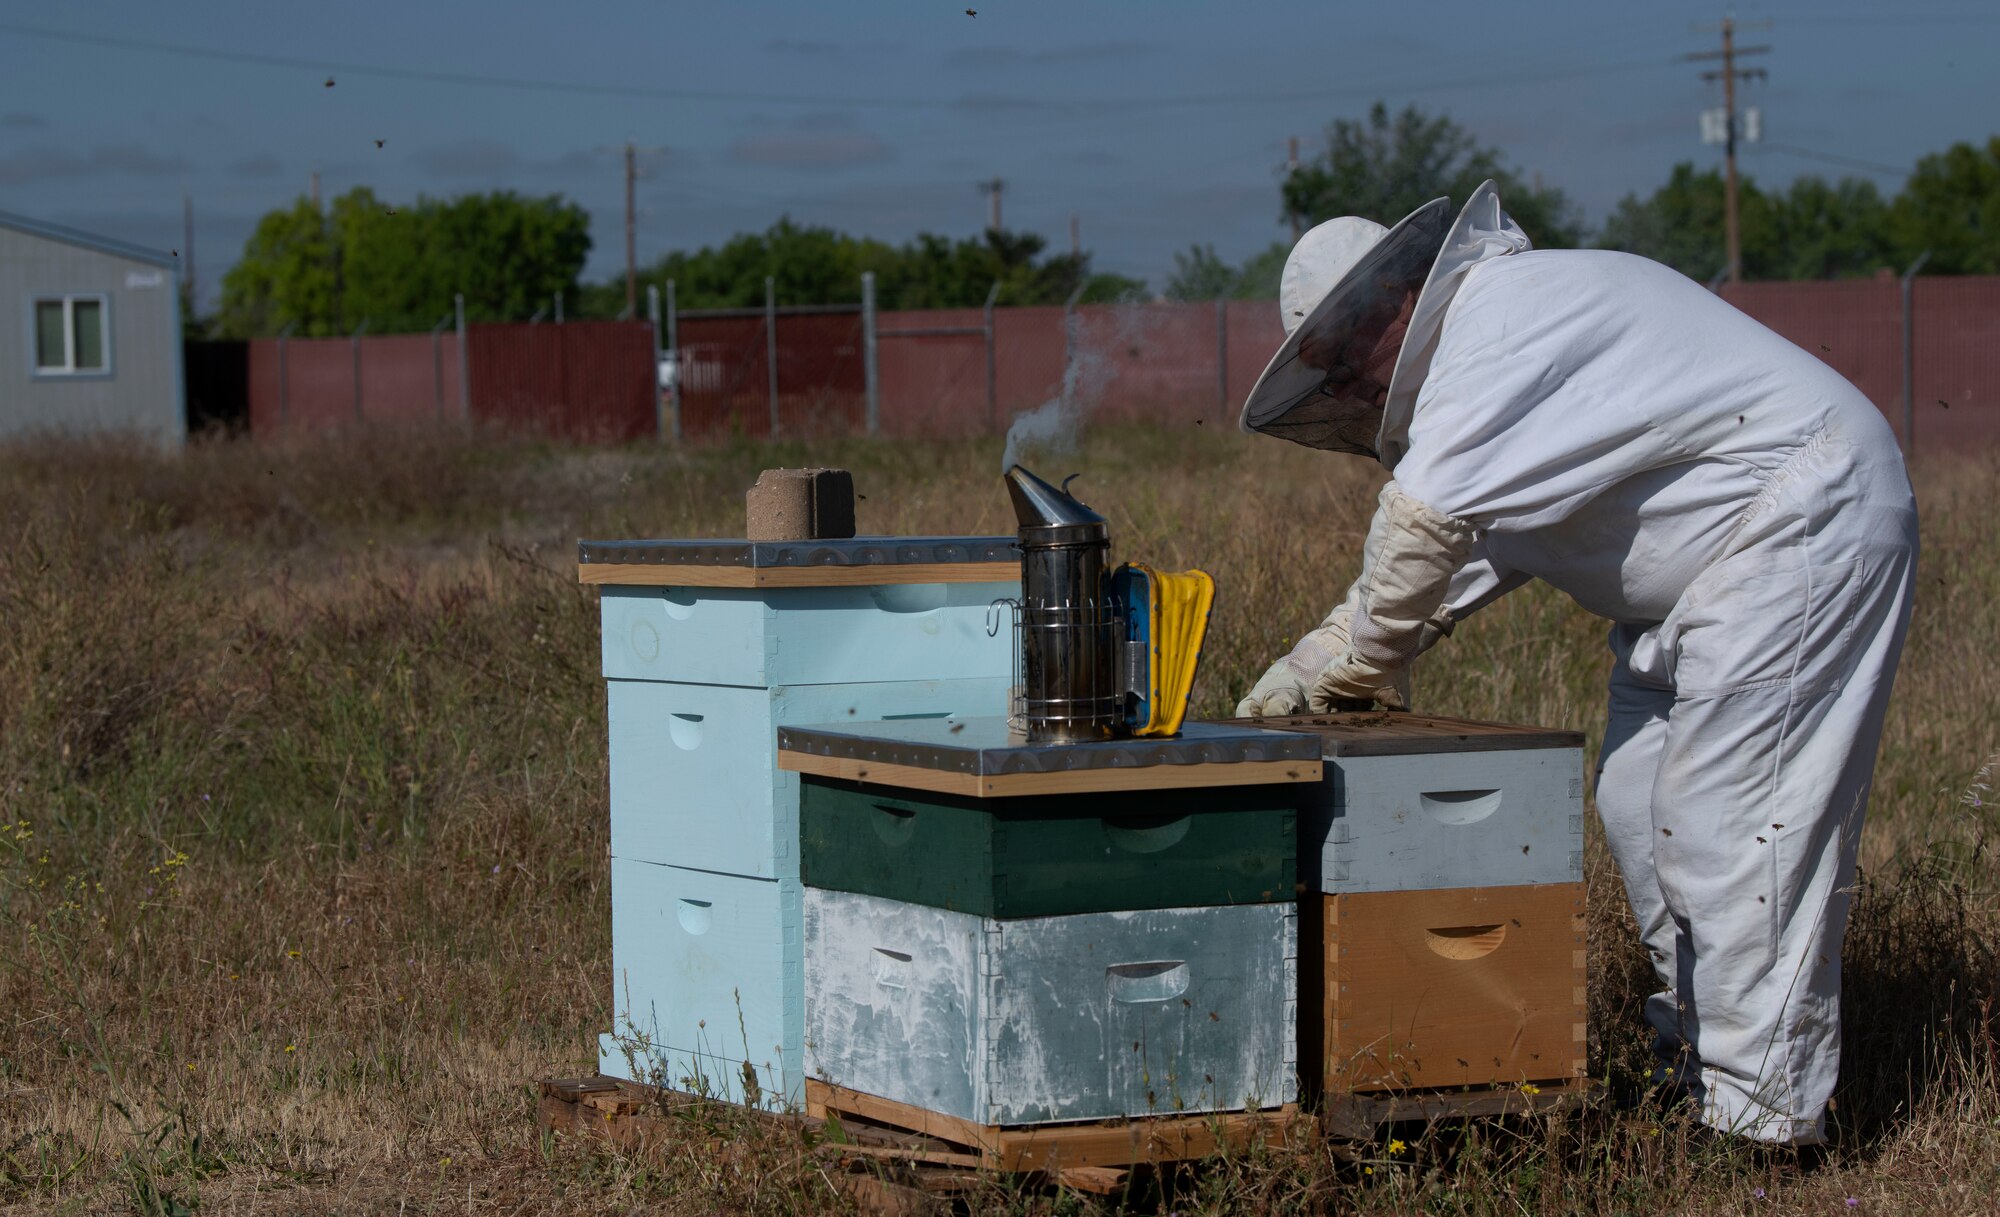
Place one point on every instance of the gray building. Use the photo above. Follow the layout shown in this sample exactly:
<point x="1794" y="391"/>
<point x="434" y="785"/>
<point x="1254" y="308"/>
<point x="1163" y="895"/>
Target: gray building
<point x="90" y="334"/>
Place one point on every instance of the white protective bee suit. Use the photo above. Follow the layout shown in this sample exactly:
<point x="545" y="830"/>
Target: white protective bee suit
<point x="1742" y="516"/>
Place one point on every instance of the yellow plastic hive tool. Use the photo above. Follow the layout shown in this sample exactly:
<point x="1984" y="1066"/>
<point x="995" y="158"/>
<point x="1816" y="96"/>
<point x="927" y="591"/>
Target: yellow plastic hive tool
<point x="1178" y="603"/>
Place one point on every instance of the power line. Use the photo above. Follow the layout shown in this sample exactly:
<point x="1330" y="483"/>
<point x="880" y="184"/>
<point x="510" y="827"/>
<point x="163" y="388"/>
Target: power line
<point x="913" y="102"/>
<point x="1844" y="161"/>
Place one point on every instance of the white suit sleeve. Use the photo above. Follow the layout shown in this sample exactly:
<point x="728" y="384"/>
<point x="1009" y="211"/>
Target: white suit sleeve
<point x="1477" y="584"/>
<point x="1407" y="566"/>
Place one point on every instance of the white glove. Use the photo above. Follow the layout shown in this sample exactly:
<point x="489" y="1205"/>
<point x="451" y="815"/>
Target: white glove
<point x="1285" y="687"/>
<point x="1407" y="564"/>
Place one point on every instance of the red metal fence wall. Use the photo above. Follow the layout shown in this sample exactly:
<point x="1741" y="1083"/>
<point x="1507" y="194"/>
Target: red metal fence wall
<point x="1174" y="364"/>
<point x="1856" y="326"/>
<point x="726" y="378"/>
<point x="590" y="381"/>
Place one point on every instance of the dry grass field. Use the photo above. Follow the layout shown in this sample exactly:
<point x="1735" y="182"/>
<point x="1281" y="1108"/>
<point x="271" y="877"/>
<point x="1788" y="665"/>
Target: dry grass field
<point x="303" y="878"/>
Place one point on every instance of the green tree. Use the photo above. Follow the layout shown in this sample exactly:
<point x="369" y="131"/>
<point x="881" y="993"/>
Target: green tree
<point x="1260" y="275"/>
<point x="1951" y="207"/>
<point x="1385" y="167"/>
<point x="397" y="268"/>
<point x="1200" y="275"/>
<point x="1814" y="230"/>
<point x="287" y="276"/>
<point x="1822" y="230"/>
<point x="818" y="265"/>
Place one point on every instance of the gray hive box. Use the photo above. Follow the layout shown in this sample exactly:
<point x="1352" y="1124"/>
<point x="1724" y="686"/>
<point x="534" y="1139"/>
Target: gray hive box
<point x="1416" y="802"/>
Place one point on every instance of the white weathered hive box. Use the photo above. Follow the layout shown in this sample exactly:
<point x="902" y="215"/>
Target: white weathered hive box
<point x="1089" y="1016"/>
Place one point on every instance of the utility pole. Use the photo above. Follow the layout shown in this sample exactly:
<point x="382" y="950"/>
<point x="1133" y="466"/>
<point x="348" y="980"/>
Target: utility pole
<point x="1075" y="237"/>
<point x="315" y="189"/>
<point x="993" y="189"/>
<point x="1291" y="167"/>
<point x="1729" y="74"/>
<point x="631" y="240"/>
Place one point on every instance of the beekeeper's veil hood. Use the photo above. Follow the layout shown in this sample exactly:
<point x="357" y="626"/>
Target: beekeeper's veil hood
<point x="1347" y="276"/>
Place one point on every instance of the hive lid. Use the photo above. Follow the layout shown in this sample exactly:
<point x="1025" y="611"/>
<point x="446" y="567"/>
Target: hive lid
<point x="982" y="757"/>
<point x="732" y="562"/>
<point x="1383" y="733"/>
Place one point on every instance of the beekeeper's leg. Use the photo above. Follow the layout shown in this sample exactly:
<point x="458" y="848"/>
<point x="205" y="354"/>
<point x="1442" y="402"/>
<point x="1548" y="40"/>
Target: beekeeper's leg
<point x="1785" y="658"/>
<point x="1627" y="766"/>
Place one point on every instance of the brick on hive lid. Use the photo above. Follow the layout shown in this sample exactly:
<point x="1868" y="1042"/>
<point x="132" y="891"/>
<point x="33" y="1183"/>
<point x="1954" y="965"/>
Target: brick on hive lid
<point x="800" y="505"/>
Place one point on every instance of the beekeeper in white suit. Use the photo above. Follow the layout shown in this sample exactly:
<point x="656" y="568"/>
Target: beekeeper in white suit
<point x="1736" y="509"/>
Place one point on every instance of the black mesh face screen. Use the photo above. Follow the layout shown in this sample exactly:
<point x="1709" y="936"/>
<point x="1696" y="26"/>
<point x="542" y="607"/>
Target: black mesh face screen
<point x="1315" y="405"/>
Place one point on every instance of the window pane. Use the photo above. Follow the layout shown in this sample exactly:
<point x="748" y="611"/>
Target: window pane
<point x="49" y="345"/>
<point x="89" y="334"/>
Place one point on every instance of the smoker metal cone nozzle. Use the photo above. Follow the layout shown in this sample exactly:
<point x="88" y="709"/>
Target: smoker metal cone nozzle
<point x="1048" y="514"/>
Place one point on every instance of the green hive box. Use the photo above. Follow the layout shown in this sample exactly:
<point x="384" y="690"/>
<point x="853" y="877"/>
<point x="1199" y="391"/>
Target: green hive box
<point x="1047" y="856"/>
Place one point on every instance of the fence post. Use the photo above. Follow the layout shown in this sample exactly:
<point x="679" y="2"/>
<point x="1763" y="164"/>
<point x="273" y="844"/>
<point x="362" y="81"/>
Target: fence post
<point x="992" y="364"/>
<point x="464" y="363"/>
<point x="674" y="345"/>
<point x="1222" y="356"/>
<point x="437" y="366"/>
<point x="559" y="311"/>
<point x="355" y="339"/>
<point x="284" y="381"/>
<point x="771" y="345"/>
<point x="653" y="319"/>
<point x="868" y="351"/>
<point x="1910" y="359"/>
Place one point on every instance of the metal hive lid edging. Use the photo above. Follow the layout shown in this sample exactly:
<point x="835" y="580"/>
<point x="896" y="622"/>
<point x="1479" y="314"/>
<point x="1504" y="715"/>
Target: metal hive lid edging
<point x="764" y="555"/>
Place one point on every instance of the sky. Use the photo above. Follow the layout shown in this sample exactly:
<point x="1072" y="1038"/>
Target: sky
<point x="1158" y="125"/>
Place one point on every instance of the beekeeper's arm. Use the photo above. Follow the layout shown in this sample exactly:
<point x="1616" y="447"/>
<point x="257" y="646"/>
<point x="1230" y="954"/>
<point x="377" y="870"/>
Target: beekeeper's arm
<point x="1286" y="688"/>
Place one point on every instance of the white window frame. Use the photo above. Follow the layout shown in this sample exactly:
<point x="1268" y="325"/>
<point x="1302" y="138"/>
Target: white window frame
<point x="69" y="370"/>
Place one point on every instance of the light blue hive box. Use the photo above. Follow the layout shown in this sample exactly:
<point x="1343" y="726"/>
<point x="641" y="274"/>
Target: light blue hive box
<point x="709" y="647"/>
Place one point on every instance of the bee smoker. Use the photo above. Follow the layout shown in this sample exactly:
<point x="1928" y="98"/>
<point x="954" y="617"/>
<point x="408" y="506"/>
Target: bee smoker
<point x="1072" y="632"/>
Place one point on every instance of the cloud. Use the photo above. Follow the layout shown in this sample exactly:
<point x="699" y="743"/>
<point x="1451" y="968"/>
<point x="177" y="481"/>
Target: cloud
<point x="48" y="163"/>
<point x="259" y="164"/>
<point x="19" y="120"/>
<point x="467" y="158"/>
<point x="821" y="140"/>
<point x="991" y="57"/>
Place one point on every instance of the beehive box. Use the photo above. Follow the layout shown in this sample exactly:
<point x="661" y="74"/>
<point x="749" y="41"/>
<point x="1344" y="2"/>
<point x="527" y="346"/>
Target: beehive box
<point x="762" y="637"/>
<point x="1414" y="802"/>
<point x="1050" y="855"/>
<point x="1086" y="1017"/>
<point x="707" y="648"/>
<point x="705" y="983"/>
<point x="694" y="777"/>
<point x="1460" y="987"/>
